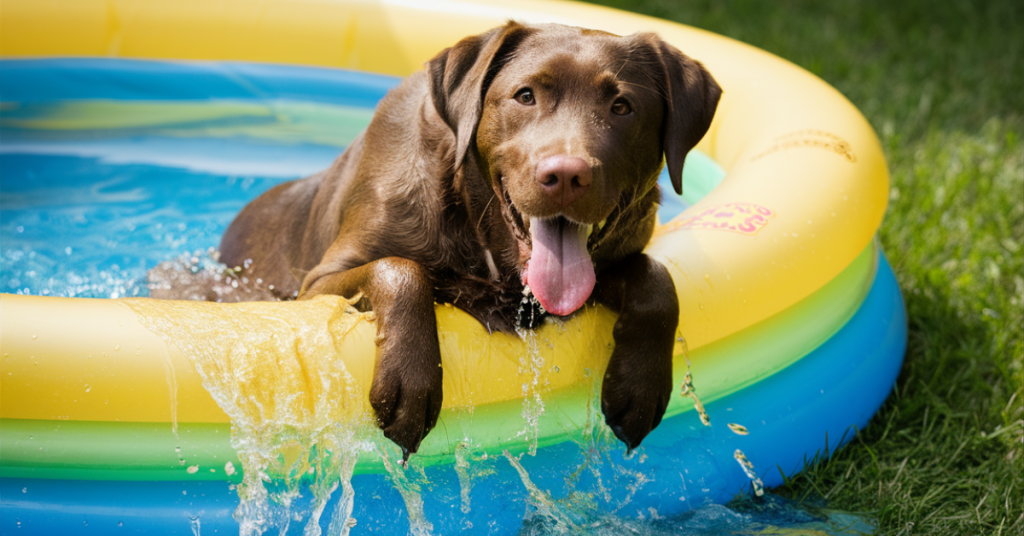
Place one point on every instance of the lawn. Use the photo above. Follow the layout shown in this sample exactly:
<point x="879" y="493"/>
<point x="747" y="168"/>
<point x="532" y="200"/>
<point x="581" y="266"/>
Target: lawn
<point x="943" y="85"/>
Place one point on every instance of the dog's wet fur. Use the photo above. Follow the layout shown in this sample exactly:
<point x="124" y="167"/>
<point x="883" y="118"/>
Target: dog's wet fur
<point x="521" y="126"/>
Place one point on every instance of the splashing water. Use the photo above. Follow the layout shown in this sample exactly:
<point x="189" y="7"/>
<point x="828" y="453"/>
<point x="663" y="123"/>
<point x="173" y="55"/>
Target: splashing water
<point x="545" y="508"/>
<point x="200" y="276"/>
<point x="748" y="469"/>
<point x="738" y="429"/>
<point x="595" y="444"/>
<point x="298" y="416"/>
<point x="768" y="515"/>
<point x="531" y="365"/>
<point x="172" y="389"/>
<point x="613" y="481"/>
<point x="330" y="474"/>
<point x="575" y="511"/>
<point x="470" y="464"/>
<point x="688" y="390"/>
<point x="410" y="491"/>
<point x="462" y="469"/>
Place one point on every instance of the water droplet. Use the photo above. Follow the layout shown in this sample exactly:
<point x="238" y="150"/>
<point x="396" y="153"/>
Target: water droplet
<point x="192" y="469"/>
<point x="739" y="429"/>
<point x="229" y="468"/>
<point x="120" y="523"/>
<point x="586" y="372"/>
<point x="748" y="468"/>
<point x="87" y="388"/>
<point x="117" y="347"/>
<point x="689" y="391"/>
<point x="24" y="490"/>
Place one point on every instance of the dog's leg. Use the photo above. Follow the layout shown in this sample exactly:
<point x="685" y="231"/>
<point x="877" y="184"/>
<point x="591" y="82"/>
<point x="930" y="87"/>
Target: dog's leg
<point x="638" y="382"/>
<point x="406" y="391"/>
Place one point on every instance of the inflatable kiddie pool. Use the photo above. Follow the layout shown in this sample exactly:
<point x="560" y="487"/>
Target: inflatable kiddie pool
<point x="157" y="416"/>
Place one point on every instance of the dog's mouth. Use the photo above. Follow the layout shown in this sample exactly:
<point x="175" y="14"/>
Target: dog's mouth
<point x="558" y="270"/>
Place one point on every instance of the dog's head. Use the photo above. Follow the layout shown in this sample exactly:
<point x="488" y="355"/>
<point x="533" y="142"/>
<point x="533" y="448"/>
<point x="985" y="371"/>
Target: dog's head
<point x="569" y="126"/>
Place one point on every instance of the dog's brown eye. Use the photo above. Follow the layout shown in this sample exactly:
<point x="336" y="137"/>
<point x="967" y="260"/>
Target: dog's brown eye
<point x="621" y="107"/>
<point x="525" y="96"/>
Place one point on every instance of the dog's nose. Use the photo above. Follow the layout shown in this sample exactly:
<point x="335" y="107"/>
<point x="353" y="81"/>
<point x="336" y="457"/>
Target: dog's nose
<point x="564" y="178"/>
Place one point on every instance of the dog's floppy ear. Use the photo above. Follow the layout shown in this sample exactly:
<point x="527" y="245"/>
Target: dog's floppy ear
<point x="691" y="97"/>
<point x="460" y="76"/>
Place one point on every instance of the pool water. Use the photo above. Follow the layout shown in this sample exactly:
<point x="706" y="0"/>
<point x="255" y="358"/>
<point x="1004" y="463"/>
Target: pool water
<point x="110" y="167"/>
<point x="769" y="514"/>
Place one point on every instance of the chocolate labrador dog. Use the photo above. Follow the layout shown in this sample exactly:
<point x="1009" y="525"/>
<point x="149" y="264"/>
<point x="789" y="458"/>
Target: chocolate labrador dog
<point x="522" y="160"/>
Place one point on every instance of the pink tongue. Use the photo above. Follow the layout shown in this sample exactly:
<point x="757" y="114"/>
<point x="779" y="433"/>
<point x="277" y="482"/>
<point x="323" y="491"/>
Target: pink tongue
<point x="560" y="272"/>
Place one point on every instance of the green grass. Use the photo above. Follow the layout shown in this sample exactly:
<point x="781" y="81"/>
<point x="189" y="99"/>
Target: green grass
<point x="943" y="85"/>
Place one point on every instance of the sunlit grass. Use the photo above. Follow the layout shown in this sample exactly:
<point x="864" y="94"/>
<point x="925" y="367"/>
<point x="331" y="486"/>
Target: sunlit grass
<point x="943" y="85"/>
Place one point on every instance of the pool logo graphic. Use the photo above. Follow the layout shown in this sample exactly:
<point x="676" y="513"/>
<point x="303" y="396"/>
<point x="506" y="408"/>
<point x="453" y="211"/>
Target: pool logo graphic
<point x="742" y="218"/>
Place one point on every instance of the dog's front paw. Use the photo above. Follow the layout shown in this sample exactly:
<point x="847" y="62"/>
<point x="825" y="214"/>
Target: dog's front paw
<point x="407" y="400"/>
<point x="635" y="394"/>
